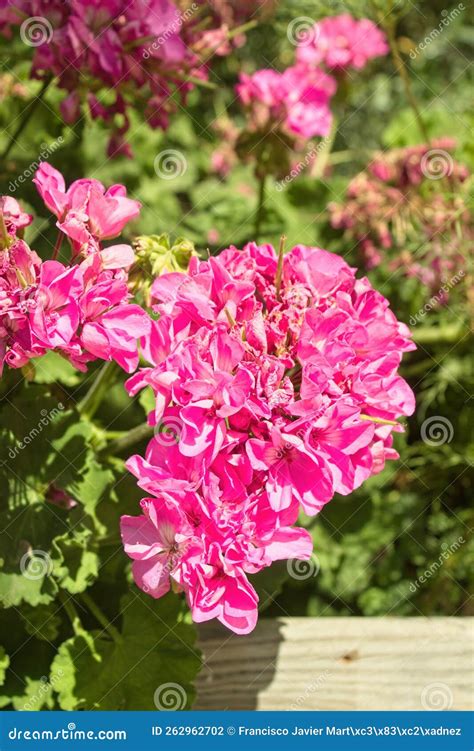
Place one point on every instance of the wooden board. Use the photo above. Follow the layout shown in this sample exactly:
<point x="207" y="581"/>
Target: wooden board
<point x="339" y="663"/>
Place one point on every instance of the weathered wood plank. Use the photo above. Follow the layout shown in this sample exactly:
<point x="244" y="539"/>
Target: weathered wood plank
<point x="340" y="663"/>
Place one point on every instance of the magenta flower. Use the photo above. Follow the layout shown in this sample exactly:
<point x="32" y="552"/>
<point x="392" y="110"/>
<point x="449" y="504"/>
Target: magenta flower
<point x="87" y="213"/>
<point x="276" y="387"/>
<point x="144" y="51"/>
<point x="295" y="100"/>
<point x="82" y="309"/>
<point x="294" y="471"/>
<point x="342" y="42"/>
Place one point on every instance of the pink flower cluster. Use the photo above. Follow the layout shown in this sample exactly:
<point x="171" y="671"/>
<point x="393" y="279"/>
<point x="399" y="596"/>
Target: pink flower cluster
<point x="409" y="198"/>
<point x="82" y="309"/>
<point x="288" y="108"/>
<point x="296" y="100"/>
<point x="276" y="386"/>
<point x="342" y="42"/>
<point x="141" y="51"/>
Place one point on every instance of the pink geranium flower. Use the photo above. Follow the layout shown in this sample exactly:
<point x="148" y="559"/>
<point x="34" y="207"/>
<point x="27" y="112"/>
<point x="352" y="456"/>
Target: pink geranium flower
<point x="295" y="100"/>
<point x="87" y="213"/>
<point x="81" y="309"/>
<point x="276" y="387"/>
<point x="343" y="42"/>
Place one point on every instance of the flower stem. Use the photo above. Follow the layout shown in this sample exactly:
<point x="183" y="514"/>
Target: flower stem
<point x="101" y="618"/>
<point x="26" y="118"/>
<point x="242" y="29"/>
<point x="378" y="420"/>
<point x="403" y="73"/>
<point x="57" y="245"/>
<point x="5" y="239"/>
<point x="71" y="612"/>
<point x="434" y="334"/>
<point x="260" y="206"/>
<point x="91" y="401"/>
<point x="324" y="153"/>
<point x="279" y="272"/>
<point x="136" y="435"/>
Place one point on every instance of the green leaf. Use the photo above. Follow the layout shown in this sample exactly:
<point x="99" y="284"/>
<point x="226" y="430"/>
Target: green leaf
<point x="154" y="649"/>
<point x="74" y="566"/>
<point x="52" y="367"/>
<point x="4" y="663"/>
<point x="24" y="677"/>
<point x="41" y="622"/>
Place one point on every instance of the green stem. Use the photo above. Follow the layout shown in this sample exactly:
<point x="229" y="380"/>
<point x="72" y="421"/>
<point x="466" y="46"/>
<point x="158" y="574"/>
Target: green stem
<point x="101" y="618"/>
<point x="26" y="118"/>
<point x="378" y="420"/>
<point x="350" y="155"/>
<point x="323" y="156"/>
<point x="90" y="403"/>
<point x="71" y="613"/>
<point x="5" y="239"/>
<point x="403" y="73"/>
<point x="260" y="206"/>
<point x="57" y="246"/>
<point x="433" y="334"/>
<point x="131" y="437"/>
<point x="197" y="81"/>
<point x="279" y="272"/>
<point x="242" y="29"/>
